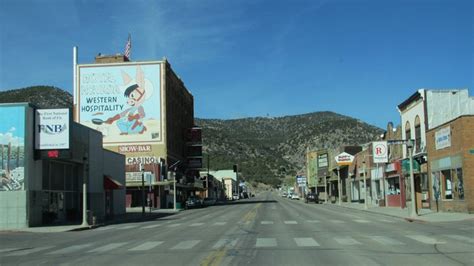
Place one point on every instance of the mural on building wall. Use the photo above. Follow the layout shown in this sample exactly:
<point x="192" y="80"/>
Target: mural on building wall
<point x="12" y="148"/>
<point x="122" y="101"/>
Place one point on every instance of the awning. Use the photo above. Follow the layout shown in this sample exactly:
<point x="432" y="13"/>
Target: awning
<point x="111" y="184"/>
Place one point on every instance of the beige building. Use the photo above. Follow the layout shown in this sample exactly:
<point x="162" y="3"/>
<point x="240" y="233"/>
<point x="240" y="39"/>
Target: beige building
<point x="144" y="112"/>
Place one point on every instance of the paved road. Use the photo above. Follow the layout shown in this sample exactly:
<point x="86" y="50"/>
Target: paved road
<point x="269" y="230"/>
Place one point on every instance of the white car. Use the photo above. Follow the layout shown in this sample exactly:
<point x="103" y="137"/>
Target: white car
<point x="295" y="196"/>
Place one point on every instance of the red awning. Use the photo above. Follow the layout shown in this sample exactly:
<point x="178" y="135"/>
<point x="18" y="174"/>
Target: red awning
<point x="110" y="183"/>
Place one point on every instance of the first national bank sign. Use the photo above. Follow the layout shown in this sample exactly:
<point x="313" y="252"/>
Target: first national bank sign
<point x="52" y="129"/>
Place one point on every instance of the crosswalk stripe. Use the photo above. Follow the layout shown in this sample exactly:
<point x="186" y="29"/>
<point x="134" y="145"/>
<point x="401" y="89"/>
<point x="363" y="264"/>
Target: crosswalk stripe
<point x="337" y="221"/>
<point x="174" y="225"/>
<point x="306" y="242"/>
<point x="107" y="247"/>
<point x="70" y="249"/>
<point x="425" y="239"/>
<point x="347" y="241"/>
<point x="228" y="243"/>
<point x="313" y="221"/>
<point x="105" y="228"/>
<point x="7" y="249"/>
<point x="461" y="238"/>
<point x="151" y="226"/>
<point x="196" y="224"/>
<point x="386" y="240"/>
<point x="220" y="223"/>
<point x="266" y="222"/>
<point x="361" y="221"/>
<point x="386" y="221"/>
<point x="146" y="246"/>
<point x="126" y="227"/>
<point x="188" y="244"/>
<point x="290" y="222"/>
<point x="265" y="242"/>
<point x="24" y="252"/>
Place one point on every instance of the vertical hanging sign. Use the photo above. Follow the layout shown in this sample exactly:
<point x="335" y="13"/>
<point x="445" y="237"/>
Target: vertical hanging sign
<point x="380" y="151"/>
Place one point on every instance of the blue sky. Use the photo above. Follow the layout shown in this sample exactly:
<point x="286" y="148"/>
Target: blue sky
<point x="245" y="58"/>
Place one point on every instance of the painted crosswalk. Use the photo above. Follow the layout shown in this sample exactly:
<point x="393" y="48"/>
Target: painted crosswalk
<point x="223" y="223"/>
<point x="70" y="249"/>
<point x="187" y="244"/>
<point x="107" y="247"/>
<point x="265" y="242"/>
<point x="146" y="246"/>
<point x="306" y="242"/>
<point x="231" y="243"/>
<point x="227" y="243"/>
<point x="425" y="239"/>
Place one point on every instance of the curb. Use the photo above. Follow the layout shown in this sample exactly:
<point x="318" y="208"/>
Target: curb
<point x="408" y="219"/>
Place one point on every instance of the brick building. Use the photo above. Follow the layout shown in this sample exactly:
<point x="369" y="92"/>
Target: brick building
<point x="451" y="165"/>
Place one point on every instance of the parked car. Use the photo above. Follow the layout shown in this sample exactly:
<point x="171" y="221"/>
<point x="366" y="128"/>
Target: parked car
<point x="245" y="195"/>
<point x="209" y="201"/>
<point x="193" y="202"/>
<point x="311" y="197"/>
<point x="284" y="195"/>
<point x="235" y="197"/>
<point x="295" y="196"/>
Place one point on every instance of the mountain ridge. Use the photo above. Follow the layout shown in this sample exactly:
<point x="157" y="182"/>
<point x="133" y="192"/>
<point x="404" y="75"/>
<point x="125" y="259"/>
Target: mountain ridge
<point x="267" y="149"/>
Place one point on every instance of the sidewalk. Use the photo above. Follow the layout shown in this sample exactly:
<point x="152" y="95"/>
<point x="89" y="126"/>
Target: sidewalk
<point x="131" y="215"/>
<point x="424" y="215"/>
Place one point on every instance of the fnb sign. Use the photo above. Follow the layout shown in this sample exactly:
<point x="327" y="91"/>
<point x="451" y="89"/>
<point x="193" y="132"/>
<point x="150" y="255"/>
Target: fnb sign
<point x="380" y="151"/>
<point x="52" y="129"/>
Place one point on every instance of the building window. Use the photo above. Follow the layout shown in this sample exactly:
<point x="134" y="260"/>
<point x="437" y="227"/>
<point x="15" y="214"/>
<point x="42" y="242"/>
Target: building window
<point x="407" y="135"/>
<point x="417" y="134"/>
<point x="393" y="186"/>
<point x="447" y="184"/>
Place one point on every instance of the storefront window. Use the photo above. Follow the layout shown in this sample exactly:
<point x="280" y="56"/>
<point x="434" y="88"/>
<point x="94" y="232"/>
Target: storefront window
<point x="448" y="184"/>
<point x="393" y="186"/>
<point x="436" y="185"/>
<point x="459" y="186"/>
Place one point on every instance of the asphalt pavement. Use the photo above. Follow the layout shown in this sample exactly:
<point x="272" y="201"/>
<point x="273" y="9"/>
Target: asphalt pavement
<point x="266" y="230"/>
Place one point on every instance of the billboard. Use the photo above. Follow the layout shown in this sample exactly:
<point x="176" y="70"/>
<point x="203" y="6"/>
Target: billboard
<point x="12" y="148"/>
<point x="123" y="101"/>
<point x="52" y="129"/>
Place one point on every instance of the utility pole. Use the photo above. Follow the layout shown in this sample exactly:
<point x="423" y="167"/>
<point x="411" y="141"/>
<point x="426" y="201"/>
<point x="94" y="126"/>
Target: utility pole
<point x="412" y="212"/>
<point x="365" y="186"/>
<point x="84" y="190"/>
<point x="326" y="188"/>
<point x="339" y="189"/>
<point x="143" y="188"/>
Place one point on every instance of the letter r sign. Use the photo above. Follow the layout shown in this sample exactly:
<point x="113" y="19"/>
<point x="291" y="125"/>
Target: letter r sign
<point x="380" y="152"/>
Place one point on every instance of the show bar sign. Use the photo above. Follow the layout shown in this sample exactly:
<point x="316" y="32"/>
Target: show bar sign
<point x="52" y="129"/>
<point x="344" y="159"/>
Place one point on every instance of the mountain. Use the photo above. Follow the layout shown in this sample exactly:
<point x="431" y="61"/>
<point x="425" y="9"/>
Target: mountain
<point x="267" y="149"/>
<point x="41" y="96"/>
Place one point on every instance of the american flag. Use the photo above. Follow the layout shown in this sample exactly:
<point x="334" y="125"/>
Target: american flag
<point x="128" y="47"/>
